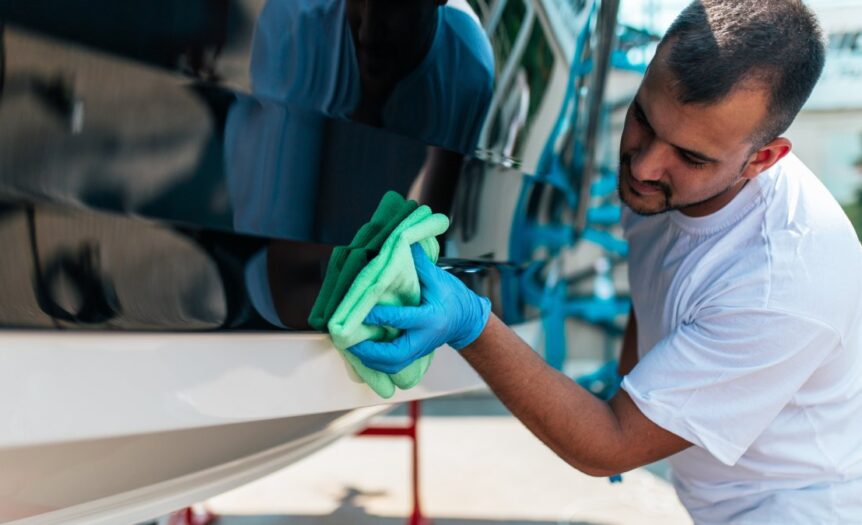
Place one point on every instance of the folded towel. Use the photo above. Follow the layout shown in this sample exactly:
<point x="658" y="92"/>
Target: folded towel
<point x="390" y="279"/>
<point x="347" y="261"/>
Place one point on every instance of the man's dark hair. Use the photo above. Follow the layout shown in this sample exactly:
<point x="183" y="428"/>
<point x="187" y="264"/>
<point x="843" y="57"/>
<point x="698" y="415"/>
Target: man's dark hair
<point x="717" y="44"/>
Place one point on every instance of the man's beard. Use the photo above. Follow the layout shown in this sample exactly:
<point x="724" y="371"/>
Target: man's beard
<point x="626" y="168"/>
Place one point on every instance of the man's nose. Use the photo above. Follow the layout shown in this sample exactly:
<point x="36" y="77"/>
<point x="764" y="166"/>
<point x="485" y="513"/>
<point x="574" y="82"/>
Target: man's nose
<point x="648" y="163"/>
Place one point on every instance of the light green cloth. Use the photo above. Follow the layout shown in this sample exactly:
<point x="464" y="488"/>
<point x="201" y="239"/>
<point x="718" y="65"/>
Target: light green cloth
<point x="388" y="279"/>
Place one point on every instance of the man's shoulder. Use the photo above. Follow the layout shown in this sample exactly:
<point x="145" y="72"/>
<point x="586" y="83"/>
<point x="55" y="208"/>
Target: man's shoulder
<point x="798" y="206"/>
<point x="814" y="252"/>
<point x="791" y="185"/>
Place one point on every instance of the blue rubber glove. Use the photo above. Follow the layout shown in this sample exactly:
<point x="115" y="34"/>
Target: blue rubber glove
<point x="450" y="313"/>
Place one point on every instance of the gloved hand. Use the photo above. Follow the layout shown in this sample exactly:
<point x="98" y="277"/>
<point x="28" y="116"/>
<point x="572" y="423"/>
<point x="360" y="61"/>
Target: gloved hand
<point x="449" y="313"/>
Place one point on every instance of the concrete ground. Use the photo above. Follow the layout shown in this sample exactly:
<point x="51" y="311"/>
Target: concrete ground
<point x="478" y="467"/>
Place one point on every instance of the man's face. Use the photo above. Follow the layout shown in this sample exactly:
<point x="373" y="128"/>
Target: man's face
<point x="391" y="36"/>
<point x="688" y="157"/>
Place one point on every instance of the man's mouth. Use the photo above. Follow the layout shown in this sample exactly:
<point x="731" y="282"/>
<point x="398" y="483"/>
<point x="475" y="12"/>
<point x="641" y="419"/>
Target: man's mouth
<point x="640" y="188"/>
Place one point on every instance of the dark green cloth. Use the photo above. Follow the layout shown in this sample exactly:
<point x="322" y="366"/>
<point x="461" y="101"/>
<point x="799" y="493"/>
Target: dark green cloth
<point x="347" y="261"/>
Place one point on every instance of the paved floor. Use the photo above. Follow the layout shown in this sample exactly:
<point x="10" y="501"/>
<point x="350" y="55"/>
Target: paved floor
<point x="476" y="470"/>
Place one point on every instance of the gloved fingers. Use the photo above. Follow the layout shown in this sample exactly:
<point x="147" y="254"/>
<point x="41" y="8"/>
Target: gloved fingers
<point x="401" y="317"/>
<point x="391" y="366"/>
<point x="424" y="267"/>
<point x="389" y="357"/>
<point x="382" y="352"/>
<point x="385" y="368"/>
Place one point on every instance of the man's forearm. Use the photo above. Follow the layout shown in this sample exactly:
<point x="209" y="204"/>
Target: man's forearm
<point x="582" y="430"/>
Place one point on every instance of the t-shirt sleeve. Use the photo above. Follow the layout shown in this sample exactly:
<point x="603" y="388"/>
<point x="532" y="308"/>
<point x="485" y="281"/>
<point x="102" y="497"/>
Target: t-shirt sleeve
<point x="720" y="380"/>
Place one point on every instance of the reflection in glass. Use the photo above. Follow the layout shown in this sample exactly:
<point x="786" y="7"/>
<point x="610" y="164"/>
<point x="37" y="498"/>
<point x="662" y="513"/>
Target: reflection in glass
<point x="422" y="68"/>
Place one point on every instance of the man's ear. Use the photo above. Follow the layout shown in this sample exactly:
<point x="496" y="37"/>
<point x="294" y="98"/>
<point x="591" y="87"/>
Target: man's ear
<point x="766" y="157"/>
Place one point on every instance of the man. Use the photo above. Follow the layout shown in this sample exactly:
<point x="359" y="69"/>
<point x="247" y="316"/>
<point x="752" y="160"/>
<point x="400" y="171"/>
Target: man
<point x="743" y="354"/>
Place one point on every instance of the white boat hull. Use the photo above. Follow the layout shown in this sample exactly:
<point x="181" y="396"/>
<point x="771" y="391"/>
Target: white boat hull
<point x="120" y="428"/>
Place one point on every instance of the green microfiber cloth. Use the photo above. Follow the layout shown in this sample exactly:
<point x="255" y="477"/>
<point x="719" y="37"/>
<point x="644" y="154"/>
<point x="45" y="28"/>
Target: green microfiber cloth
<point x="347" y="261"/>
<point x="389" y="279"/>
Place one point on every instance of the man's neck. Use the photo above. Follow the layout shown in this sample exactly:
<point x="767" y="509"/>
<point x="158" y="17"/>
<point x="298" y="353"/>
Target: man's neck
<point x="712" y="205"/>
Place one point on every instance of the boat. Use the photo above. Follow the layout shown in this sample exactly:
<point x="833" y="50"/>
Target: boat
<point x="168" y="202"/>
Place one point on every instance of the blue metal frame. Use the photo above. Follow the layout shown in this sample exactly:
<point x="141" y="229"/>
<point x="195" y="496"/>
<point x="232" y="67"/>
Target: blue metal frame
<point x="529" y="234"/>
<point x="529" y="285"/>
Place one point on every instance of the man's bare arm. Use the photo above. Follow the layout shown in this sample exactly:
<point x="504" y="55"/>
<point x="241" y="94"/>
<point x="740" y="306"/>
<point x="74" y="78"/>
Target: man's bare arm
<point x="598" y="438"/>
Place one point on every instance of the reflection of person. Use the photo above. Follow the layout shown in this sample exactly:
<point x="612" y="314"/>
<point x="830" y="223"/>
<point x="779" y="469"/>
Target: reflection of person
<point x="272" y="162"/>
<point x="744" y="361"/>
<point x="421" y="68"/>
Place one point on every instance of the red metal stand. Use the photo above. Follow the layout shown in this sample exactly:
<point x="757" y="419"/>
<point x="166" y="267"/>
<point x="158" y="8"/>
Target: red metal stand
<point x="195" y="515"/>
<point x="198" y="515"/>
<point x="409" y="431"/>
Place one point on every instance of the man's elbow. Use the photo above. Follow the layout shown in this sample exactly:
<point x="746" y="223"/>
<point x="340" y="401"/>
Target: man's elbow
<point x="598" y="469"/>
<point x="596" y="472"/>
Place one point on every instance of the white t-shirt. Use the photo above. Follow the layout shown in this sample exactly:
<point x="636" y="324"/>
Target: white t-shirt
<point x="303" y="54"/>
<point x="750" y="344"/>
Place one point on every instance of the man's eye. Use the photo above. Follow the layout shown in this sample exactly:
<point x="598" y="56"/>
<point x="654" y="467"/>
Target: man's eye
<point x="693" y="162"/>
